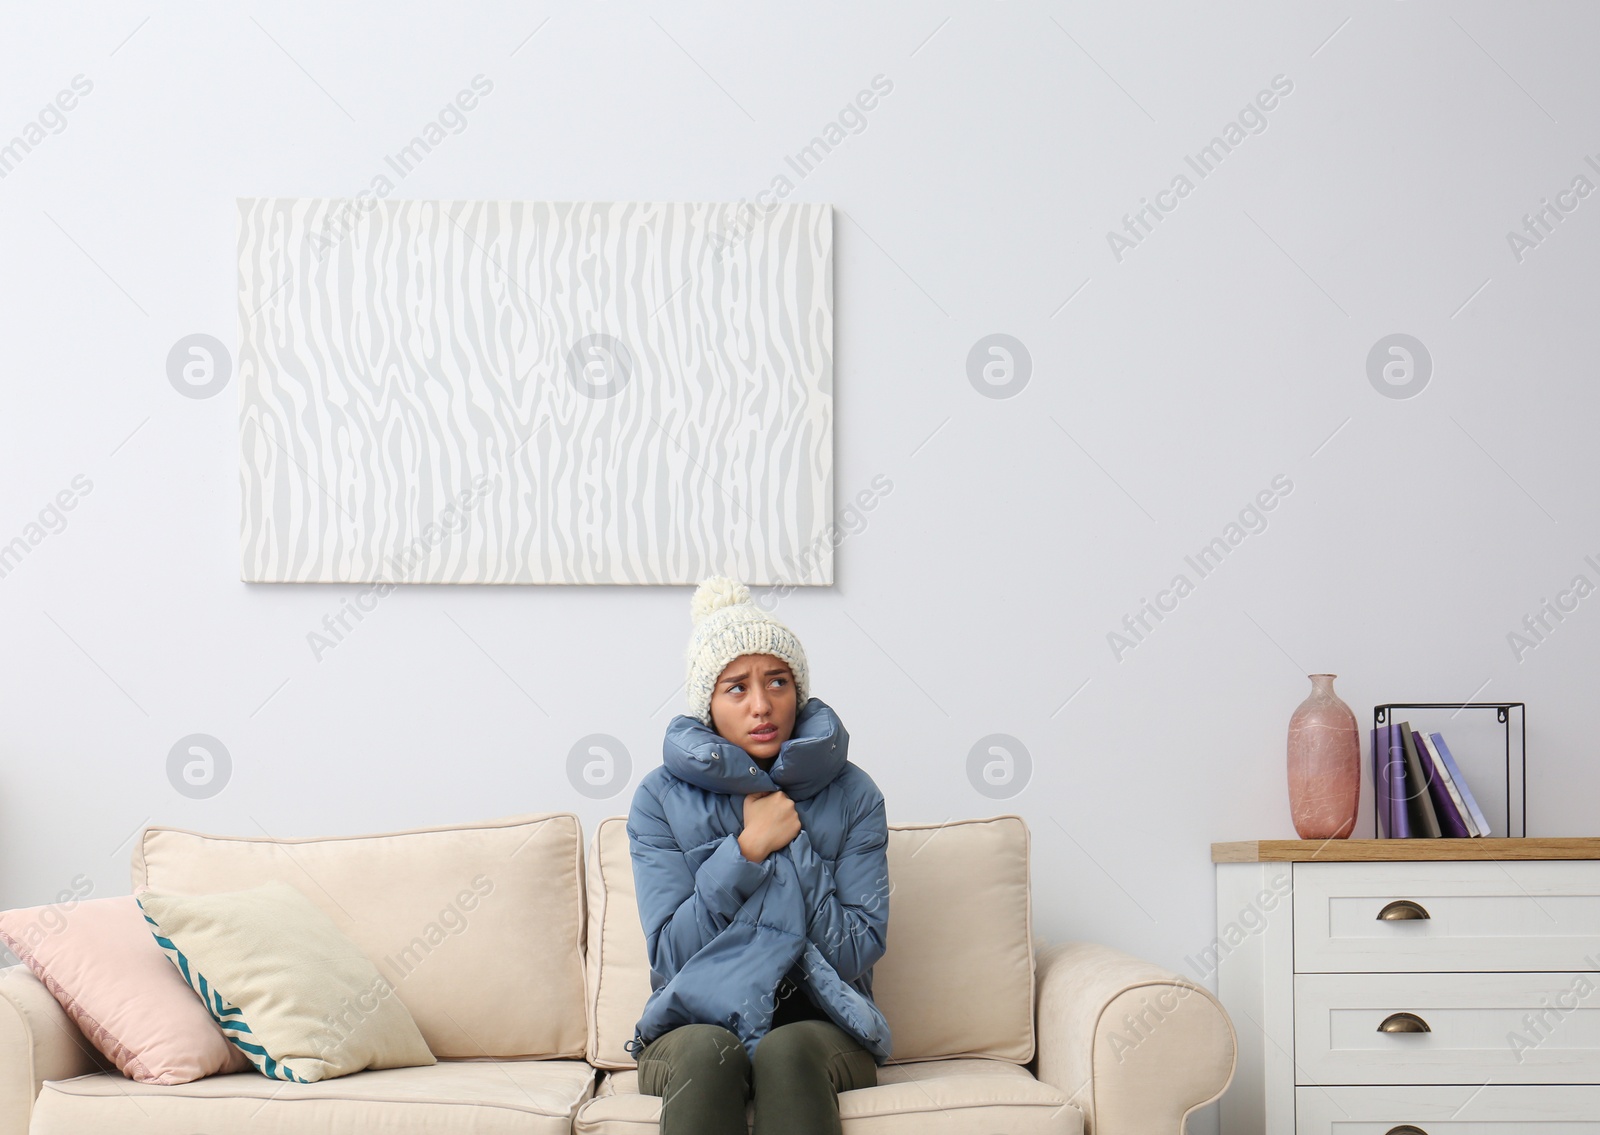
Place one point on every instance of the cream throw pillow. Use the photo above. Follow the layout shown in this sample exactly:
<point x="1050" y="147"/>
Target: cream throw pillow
<point x="286" y="985"/>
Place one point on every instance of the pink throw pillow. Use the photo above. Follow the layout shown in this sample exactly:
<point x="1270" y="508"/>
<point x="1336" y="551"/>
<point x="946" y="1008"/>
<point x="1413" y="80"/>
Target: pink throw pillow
<point x="99" y="959"/>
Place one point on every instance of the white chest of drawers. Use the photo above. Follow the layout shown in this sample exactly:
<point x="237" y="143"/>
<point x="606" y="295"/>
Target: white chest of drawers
<point x="1410" y="987"/>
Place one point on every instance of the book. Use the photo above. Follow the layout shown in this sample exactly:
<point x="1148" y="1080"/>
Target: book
<point x="1394" y="755"/>
<point x="1380" y="779"/>
<point x="1451" y="822"/>
<point x="1442" y="774"/>
<point x="1461" y="783"/>
<point x="1424" y="821"/>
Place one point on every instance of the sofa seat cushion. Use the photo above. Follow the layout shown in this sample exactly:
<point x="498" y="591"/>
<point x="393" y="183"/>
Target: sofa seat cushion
<point x="486" y="1097"/>
<point x="928" y="1097"/>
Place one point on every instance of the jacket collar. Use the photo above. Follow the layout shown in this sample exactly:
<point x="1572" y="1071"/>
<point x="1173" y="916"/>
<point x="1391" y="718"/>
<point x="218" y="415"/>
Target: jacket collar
<point x="807" y="762"/>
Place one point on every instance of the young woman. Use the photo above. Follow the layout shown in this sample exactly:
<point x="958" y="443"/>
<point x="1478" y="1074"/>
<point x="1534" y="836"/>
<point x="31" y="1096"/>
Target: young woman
<point x="760" y="867"/>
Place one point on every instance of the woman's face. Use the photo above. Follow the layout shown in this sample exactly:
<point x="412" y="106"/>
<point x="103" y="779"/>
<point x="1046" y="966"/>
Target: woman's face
<point x="753" y="704"/>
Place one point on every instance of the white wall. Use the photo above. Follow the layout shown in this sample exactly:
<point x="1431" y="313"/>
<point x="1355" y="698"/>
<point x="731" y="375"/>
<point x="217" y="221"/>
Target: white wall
<point x="1227" y="348"/>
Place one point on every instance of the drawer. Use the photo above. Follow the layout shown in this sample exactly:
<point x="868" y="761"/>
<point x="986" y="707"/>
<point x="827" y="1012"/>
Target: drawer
<point x="1505" y="1028"/>
<point x="1537" y="915"/>
<point x="1466" y="1110"/>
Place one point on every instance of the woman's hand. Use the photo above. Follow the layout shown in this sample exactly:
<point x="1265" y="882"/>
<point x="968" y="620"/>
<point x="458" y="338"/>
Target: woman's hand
<point x="770" y="822"/>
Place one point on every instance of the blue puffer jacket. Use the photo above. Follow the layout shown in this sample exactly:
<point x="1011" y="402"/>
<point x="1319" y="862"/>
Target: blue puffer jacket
<point x="722" y="930"/>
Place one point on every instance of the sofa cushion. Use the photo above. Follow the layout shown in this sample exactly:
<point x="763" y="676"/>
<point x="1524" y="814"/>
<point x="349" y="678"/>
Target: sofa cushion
<point x="296" y="995"/>
<point x="486" y="1097"/>
<point x="920" y="1098"/>
<point x="479" y="927"/>
<point x="619" y="962"/>
<point x="960" y="924"/>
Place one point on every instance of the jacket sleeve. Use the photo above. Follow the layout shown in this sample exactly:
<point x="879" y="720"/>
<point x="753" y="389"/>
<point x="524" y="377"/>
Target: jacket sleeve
<point x="847" y="905"/>
<point x="682" y="909"/>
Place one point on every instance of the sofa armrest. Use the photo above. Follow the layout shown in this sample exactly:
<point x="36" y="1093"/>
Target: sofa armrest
<point x="38" y="1042"/>
<point x="1135" y="1047"/>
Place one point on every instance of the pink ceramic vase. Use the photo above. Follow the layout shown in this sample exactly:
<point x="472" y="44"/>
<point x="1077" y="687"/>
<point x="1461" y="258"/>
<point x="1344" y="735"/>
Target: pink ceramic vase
<point x="1324" y="764"/>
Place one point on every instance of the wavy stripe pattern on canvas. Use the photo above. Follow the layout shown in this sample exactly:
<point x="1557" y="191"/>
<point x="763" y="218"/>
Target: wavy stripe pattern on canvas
<point x="535" y="392"/>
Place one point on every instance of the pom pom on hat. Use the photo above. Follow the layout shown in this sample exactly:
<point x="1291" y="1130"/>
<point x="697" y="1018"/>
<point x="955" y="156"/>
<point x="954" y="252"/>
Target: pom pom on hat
<point x="726" y="625"/>
<point x="717" y="591"/>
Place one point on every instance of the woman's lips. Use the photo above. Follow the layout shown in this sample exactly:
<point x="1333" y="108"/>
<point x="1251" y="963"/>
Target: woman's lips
<point x="764" y="734"/>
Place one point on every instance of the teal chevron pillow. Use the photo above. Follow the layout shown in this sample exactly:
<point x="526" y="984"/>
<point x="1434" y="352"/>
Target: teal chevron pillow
<point x="284" y="983"/>
<point x="229" y="1017"/>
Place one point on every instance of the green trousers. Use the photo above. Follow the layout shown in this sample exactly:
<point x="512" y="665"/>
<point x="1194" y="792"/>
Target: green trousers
<point x="705" y="1077"/>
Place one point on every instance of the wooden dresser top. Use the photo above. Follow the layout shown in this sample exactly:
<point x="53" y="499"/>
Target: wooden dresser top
<point x="1401" y="850"/>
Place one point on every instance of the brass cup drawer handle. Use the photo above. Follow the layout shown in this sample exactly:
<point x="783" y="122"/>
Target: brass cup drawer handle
<point x="1404" y="1023"/>
<point x="1403" y="910"/>
<point x="1405" y="1129"/>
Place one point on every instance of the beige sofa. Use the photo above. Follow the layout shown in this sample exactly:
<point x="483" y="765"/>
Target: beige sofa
<point x="522" y="960"/>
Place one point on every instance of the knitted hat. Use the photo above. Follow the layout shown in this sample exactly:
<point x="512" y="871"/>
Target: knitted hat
<point x="726" y="625"/>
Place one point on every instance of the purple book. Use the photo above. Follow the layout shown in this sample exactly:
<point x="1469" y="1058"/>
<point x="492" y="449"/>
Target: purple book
<point x="1399" y="814"/>
<point x="1449" y="816"/>
<point x="1380" y="778"/>
<point x="1460" y="783"/>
